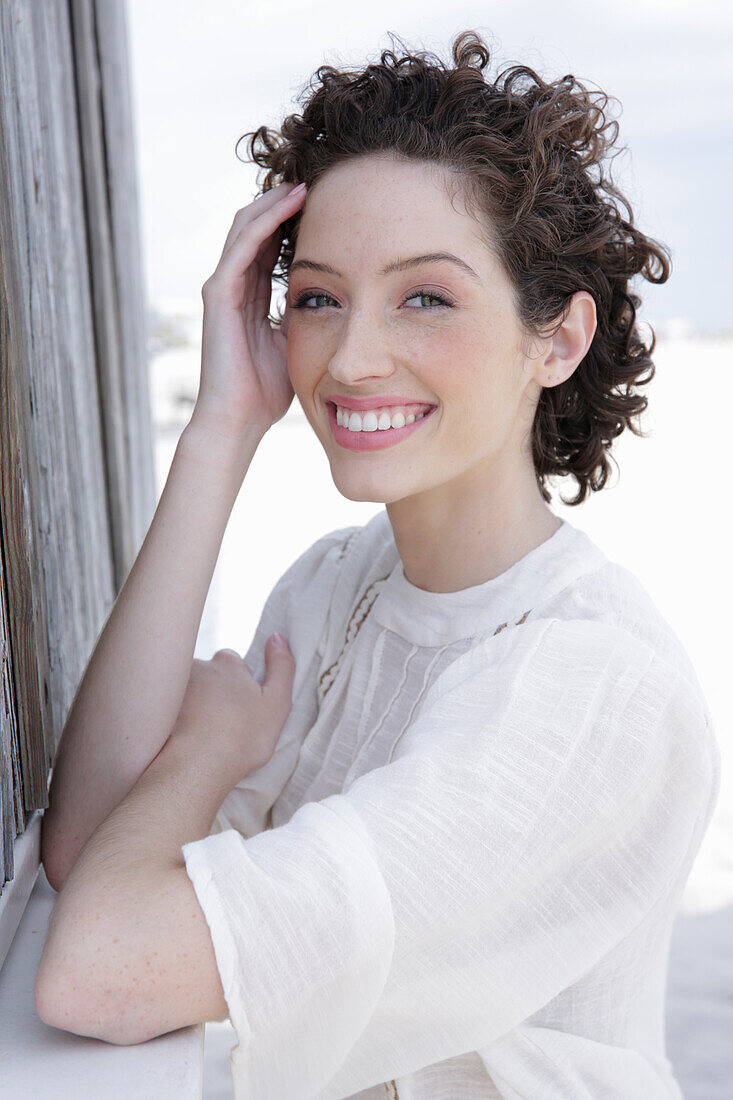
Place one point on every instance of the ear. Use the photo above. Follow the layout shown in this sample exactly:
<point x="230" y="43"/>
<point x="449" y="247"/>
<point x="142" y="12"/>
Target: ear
<point x="568" y="347"/>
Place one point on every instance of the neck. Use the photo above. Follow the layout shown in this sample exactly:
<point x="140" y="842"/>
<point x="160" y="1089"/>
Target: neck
<point x="461" y="534"/>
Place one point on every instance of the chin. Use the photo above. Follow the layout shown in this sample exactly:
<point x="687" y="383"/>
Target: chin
<point x="363" y="489"/>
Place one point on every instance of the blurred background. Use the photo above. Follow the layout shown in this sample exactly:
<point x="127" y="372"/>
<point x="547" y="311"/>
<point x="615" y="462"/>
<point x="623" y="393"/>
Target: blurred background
<point x="204" y="74"/>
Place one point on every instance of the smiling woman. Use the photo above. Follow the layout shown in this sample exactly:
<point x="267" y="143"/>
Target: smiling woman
<point x="530" y="159"/>
<point x="455" y="869"/>
<point x="445" y="333"/>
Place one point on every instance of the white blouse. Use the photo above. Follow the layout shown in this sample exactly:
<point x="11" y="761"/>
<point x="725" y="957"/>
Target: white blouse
<point x="457" y="875"/>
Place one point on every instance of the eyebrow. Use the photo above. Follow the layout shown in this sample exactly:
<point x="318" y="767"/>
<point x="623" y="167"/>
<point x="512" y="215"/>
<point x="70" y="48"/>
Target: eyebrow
<point x="396" y="265"/>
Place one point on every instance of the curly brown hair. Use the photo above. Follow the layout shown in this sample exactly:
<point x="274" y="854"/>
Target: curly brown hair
<point x="530" y="155"/>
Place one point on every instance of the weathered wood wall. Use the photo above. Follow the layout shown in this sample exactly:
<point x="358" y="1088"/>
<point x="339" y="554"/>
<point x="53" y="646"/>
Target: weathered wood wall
<point x="77" y="486"/>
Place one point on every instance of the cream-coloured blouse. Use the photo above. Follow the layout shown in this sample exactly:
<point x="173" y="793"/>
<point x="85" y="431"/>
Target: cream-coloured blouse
<point x="457" y="875"/>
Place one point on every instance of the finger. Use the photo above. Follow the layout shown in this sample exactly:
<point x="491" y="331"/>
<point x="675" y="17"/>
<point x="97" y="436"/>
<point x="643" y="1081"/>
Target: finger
<point x="269" y="251"/>
<point x="227" y="653"/>
<point x="279" y="670"/>
<point x="239" y="280"/>
<point x="264" y="265"/>
<point x="244" y="248"/>
<point x="254" y="208"/>
<point x="249" y="213"/>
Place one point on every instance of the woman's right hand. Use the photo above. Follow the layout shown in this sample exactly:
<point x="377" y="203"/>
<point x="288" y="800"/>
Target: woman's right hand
<point x="244" y="382"/>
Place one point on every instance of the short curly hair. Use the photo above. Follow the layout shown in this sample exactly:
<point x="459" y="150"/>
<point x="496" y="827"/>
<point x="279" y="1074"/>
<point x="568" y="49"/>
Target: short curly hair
<point x="530" y="155"/>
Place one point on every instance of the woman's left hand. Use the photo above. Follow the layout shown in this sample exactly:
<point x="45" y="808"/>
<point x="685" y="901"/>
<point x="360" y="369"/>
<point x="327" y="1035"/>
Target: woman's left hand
<point x="227" y="715"/>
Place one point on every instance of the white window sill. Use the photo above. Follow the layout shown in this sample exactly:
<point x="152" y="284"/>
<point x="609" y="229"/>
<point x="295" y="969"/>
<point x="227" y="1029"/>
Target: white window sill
<point x="49" y="1064"/>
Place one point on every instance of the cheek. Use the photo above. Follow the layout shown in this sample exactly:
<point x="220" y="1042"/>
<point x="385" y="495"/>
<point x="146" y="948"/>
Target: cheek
<point x="454" y="360"/>
<point x="481" y="384"/>
<point x="303" y="356"/>
<point x="443" y="356"/>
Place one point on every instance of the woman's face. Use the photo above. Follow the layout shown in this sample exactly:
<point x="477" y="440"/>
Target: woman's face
<point x="358" y="331"/>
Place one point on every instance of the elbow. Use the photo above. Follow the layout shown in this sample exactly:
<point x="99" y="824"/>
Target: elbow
<point x="73" y="992"/>
<point x="63" y="1004"/>
<point x="65" y="993"/>
<point x="52" y="998"/>
<point x="53" y="993"/>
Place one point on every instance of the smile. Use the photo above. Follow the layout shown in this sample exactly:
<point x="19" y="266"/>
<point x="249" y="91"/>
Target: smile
<point x="374" y="440"/>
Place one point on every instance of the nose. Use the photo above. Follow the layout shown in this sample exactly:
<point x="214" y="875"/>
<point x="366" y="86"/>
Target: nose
<point x="361" y="352"/>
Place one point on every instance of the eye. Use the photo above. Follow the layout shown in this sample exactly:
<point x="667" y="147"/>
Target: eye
<point x="308" y="296"/>
<point x="425" y="292"/>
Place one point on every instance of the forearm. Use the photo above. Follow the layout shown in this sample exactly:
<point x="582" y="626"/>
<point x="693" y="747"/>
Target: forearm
<point x="133" y="687"/>
<point x="128" y="861"/>
<point x="174" y="801"/>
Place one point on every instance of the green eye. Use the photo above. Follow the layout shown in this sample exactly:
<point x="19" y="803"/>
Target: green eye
<point x="439" y="301"/>
<point x="433" y="296"/>
<point x="306" y="297"/>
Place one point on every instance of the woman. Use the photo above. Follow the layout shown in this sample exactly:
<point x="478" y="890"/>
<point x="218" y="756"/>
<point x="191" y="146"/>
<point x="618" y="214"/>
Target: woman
<point x="469" y="796"/>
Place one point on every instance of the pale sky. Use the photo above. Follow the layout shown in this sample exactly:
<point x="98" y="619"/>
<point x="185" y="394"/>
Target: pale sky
<point x="206" y="72"/>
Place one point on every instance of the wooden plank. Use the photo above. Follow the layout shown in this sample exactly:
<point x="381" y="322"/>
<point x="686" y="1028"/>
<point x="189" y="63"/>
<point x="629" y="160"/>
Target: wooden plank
<point x="73" y="520"/>
<point x="25" y="668"/>
<point x="77" y="484"/>
<point x="100" y="38"/>
<point x="123" y="177"/>
<point x="9" y="774"/>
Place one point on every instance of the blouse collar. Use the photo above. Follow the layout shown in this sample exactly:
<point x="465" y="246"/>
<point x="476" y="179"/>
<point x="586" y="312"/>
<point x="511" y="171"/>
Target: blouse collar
<point x="434" y="618"/>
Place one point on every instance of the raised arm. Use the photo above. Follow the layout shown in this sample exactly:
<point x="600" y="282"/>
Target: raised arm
<point x="132" y="689"/>
<point x="129" y="697"/>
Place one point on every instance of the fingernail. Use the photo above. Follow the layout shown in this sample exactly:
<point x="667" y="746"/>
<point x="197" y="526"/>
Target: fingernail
<point x="298" y="190"/>
<point x="279" y="641"/>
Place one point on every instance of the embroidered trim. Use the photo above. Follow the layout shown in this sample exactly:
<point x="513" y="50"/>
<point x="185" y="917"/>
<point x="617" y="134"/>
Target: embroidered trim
<point x="347" y="542"/>
<point x="358" y="617"/>
<point x="518" y="623"/>
<point x="353" y="627"/>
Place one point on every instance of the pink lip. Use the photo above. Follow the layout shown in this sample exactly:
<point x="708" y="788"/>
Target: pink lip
<point x="375" y="402"/>
<point x="372" y="441"/>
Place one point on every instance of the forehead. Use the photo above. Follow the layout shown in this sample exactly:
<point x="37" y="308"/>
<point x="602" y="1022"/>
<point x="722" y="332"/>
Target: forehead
<point x="381" y="205"/>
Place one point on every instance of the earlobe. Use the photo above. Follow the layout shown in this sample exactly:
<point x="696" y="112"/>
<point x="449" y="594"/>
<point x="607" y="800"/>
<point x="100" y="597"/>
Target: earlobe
<point x="571" y="341"/>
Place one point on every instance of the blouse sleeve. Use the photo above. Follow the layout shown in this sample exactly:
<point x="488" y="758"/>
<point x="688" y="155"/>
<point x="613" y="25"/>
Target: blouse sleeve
<point x="542" y="803"/>
<point x="297" y="607"/>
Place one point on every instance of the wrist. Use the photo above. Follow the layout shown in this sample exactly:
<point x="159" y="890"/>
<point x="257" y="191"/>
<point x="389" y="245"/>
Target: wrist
<point x="213" y="444"/>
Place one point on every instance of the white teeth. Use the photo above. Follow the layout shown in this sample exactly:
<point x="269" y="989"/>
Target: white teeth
<point x="372" y="421"/>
